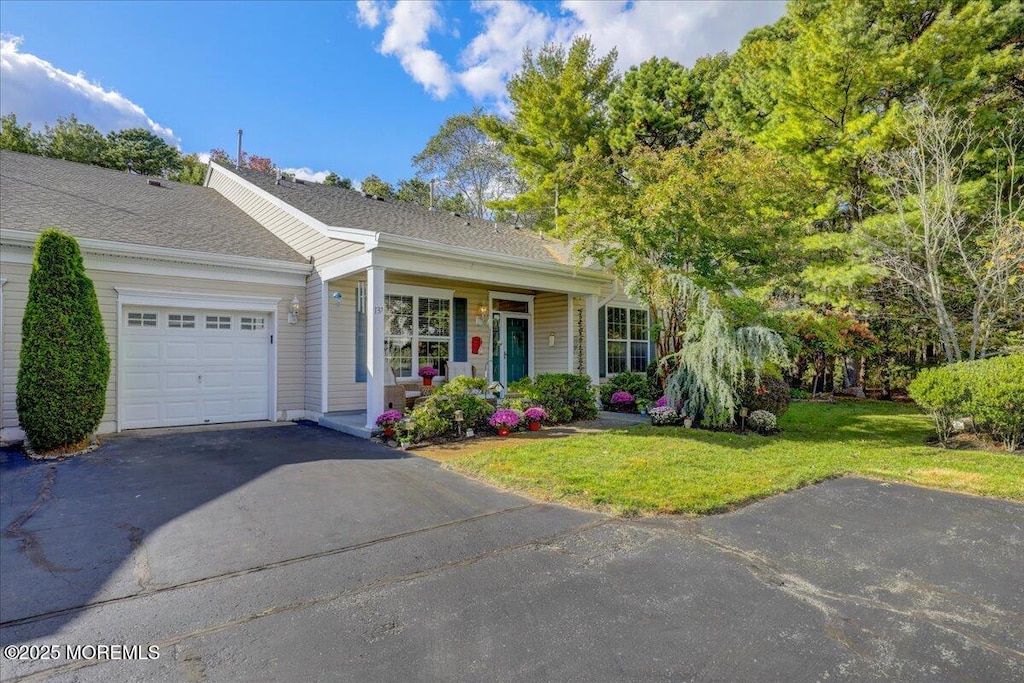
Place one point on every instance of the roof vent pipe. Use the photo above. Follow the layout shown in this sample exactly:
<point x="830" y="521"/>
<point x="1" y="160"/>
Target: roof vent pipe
<point x="238" y="159"/>
<point x="431" y="207"/>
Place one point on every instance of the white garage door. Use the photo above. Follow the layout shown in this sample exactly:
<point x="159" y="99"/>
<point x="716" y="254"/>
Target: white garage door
<point x="187" y="367"/>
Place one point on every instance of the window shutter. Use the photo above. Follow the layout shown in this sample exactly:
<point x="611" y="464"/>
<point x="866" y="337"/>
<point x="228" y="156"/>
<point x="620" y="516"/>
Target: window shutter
<point x="460" y="353"/>
<point x="361" y="342"/>
<point x="602" y="340"/>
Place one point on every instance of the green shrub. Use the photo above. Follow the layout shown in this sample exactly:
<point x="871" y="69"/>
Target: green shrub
<point x="991" y="391"/>
<point x="65" y="360"/>
<point x="636" y="383"/>
<point x="997" y="398"/>
<point x="434" y="417"/>
<point x="943" y="394"/>
<point x="770" y="394"/>
<point x="462" y="385"/>
<point x="565" y="397"/>
<point x="518" y="403"/>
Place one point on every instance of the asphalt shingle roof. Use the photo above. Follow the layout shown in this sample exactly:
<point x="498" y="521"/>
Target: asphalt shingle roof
<point x="339" y="207"/>
<point x="99" y="203"/>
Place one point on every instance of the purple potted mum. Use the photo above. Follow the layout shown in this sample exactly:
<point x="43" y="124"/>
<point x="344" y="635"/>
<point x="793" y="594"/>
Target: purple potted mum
<point x="387" y="421"/>
<point x="504" y="420"/>
<point x="428" y="373"/>
<point x="534" y="416"/>
<point x="622" y="401"/>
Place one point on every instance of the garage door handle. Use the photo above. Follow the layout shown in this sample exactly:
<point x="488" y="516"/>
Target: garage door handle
<point x="200" y="379"/>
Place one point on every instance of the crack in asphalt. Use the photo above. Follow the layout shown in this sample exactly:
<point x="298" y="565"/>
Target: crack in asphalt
<point x="177" y="640"/>
<point x="28" y="541"/>
<point x="140" y="555"/>
<point x="153" y="589"/>
<point x="843" y="629"/>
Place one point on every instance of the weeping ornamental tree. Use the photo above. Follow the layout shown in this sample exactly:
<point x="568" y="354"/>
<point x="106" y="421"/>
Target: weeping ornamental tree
<point x="65" y="360"/>
<point x="713" y="357"/>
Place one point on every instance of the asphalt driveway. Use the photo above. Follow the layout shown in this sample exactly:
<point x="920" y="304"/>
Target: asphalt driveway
<point x="296" y="553"/>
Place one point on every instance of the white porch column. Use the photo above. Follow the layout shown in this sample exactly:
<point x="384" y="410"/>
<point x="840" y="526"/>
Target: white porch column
<point x="593" y="363"/>
<point x="374" y="344"/>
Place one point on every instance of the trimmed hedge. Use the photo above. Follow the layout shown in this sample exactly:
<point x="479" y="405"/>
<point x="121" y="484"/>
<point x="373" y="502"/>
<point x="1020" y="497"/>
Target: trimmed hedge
<point x="990" y="391"/>
<point x="566" y="397"/>
<point x="65" y="360"/>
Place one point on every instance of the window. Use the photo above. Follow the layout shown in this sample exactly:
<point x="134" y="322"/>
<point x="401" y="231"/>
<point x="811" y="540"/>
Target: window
<point x="249" y="323"/>
<point x="181" y="321"/>
<point x="626" y="340"/>
<point x="417" y="332"/>
<point x="218" y="322"/>
<point x="141" y="319"/>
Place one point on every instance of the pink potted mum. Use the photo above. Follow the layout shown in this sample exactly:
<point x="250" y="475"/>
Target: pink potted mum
<point x="387" y="421"/>
<point x="504" y="420"/>
<point x="428" y="373"/>
<point x="534" y="416"/>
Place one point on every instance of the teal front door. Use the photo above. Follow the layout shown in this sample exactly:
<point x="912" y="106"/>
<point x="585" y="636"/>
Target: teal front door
<point x="517" y="361"/>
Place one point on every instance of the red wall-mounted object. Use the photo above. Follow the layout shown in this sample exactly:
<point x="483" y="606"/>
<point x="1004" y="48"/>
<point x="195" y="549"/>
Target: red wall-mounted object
<point x="477" y="343"/>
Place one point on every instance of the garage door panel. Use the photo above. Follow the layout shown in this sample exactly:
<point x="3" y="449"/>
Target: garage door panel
<point x="253" y="351"/>
<point x="179" y="375"/>
<point x="143" y="350"/>
<point x="183" y="410"/>
<point x="142" y="381"/>
<point x="218" y="350"/>
<point x="187" y="380"/>
<point x="177" y="351"/>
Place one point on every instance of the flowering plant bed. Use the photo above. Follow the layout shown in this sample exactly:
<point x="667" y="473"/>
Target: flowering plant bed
<point x="623" y="402"/>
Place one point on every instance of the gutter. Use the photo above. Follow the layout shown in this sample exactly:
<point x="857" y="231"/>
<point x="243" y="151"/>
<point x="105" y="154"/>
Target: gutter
<point x="145" y="251"/>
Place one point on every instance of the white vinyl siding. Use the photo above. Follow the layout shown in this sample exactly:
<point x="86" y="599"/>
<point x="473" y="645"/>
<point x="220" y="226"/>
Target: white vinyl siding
<point x="291" y="380"/>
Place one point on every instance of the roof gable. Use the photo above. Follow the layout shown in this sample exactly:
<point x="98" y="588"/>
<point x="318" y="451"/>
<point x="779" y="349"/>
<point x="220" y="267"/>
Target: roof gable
<point x="343" y="208"/>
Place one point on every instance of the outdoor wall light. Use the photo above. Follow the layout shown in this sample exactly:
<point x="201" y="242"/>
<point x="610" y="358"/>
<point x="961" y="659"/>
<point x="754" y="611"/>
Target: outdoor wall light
<point x="551" y="339"/>
<point x="337" y="298"/>
<point x="293" y="310"/>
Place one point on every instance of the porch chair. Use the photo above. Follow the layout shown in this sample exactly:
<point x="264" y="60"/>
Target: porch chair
<point x="399" y="395"/>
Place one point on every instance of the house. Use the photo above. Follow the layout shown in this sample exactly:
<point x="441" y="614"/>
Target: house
<point x="260" y="298"/>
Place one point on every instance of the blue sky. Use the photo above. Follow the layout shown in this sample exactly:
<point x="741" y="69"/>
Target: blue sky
<point x="352" y="87"/>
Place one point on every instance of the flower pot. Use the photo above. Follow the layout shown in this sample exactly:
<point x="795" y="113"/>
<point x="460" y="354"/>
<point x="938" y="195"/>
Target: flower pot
<point x="389" y="431"/>
<point x="535" y="426"/>
<point x="687" y="423"/>
<point x="503" y="431"/>
<point x="428" y="381"/>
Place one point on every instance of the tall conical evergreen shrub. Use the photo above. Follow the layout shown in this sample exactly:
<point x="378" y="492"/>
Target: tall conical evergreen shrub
<point x="65" y="360"/>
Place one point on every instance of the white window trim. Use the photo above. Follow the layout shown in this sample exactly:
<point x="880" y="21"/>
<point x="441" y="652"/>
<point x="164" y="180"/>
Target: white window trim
<point x="629" y="340"/>
<point x="417" y="292"/>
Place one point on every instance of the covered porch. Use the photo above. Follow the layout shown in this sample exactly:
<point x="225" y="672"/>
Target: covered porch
<point x="384" y="318"/>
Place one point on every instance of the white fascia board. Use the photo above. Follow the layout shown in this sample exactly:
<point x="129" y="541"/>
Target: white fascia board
<point x="368" y="238"/>
<point x="584" y="278"/>
<point x="145" y="251"/>
<point x="493" y="275"/>
<point x="346" y="267"/>
<point x="132" y="296"/>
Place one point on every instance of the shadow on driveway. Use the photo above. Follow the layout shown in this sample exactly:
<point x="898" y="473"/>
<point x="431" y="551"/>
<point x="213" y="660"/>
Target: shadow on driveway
<point x="239" y="498"/>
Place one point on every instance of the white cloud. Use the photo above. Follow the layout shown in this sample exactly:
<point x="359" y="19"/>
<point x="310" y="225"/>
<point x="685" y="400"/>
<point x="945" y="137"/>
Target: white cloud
<point x="406" y="37"/>
<point x="204" y="157"/>
<point x="306" y="173"/>
<point x="38" y="92"/>
<point x="369" y="12"/>
<point x="639" y="30"/>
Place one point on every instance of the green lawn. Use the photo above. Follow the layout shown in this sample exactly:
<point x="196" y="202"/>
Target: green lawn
<point x="673" y="470"/>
